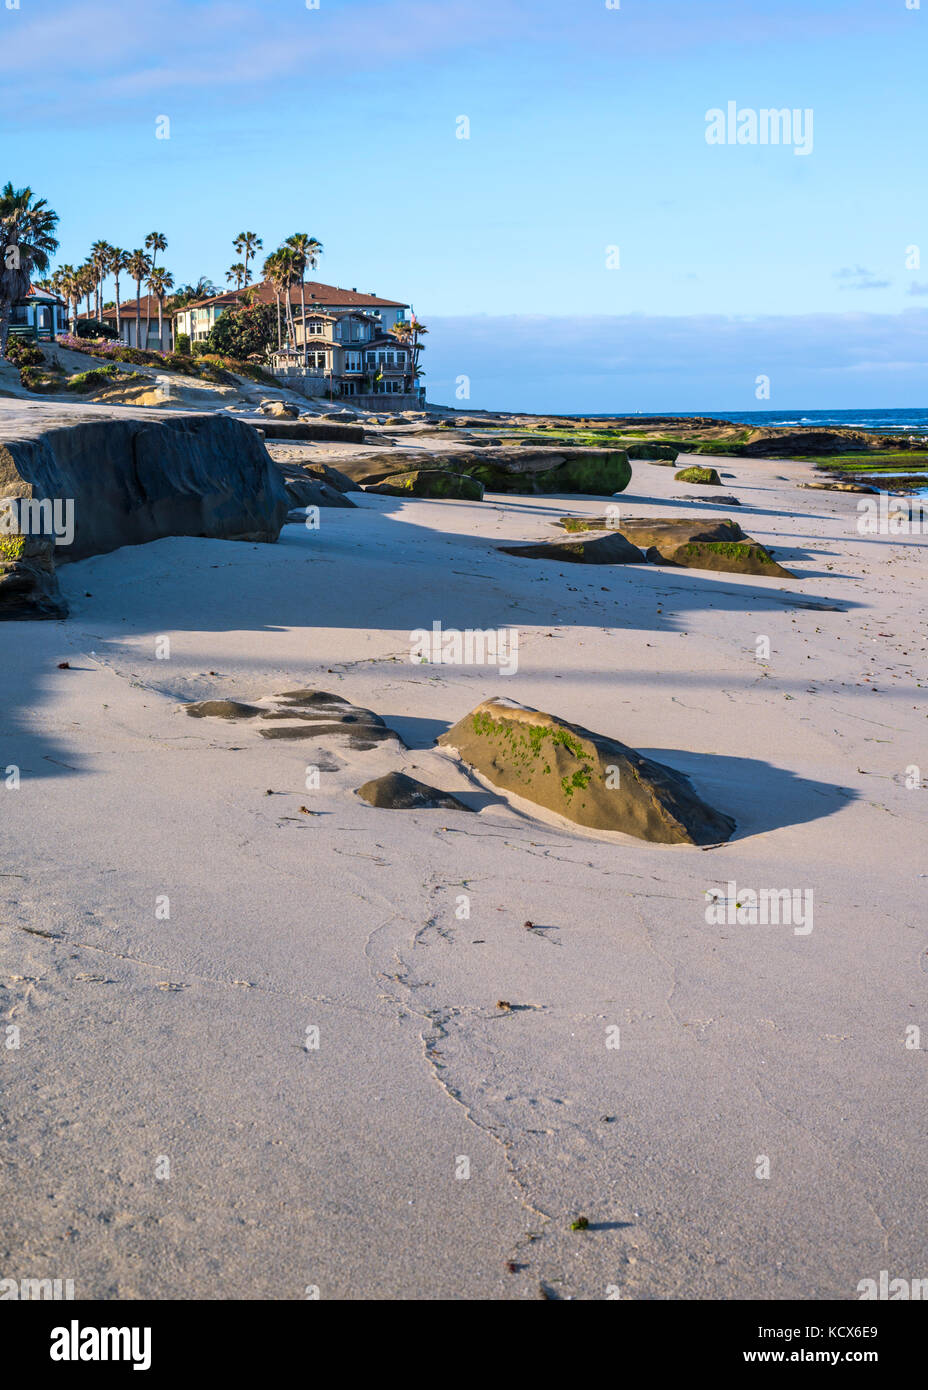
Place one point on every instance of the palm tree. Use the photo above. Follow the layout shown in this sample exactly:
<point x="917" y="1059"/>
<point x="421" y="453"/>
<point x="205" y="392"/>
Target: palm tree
<point x="118" y="262"/>
<point x="237" y="273"/>
<point x="159" y="282"/>
<point x="287" y="275"/>
<point x="408" y="332"/>
<point x="306" y="252"/>
<point x="99" y="259"/>
<point x="139" y="266"/>
<point x="155" y="242"/>
<point x="249" y="244"/>
<point x="69" y="290"/>
<point x="27" y="236"/>
<point x="88" y="277"/>
<point x="273" y="271"/>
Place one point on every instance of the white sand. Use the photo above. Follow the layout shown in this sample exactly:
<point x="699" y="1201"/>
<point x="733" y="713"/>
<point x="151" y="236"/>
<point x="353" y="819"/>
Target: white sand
<point x="336" y="1167"/>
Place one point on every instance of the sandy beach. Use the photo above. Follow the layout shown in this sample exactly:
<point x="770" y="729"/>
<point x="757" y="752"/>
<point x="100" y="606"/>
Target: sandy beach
<point x="426" y="1143"/>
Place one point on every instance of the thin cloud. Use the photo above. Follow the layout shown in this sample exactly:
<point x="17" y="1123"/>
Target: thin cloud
<point x="859" y="278"/>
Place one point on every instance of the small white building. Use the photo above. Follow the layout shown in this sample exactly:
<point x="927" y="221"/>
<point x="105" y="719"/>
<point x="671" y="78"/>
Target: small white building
<point x="148" y="336"/>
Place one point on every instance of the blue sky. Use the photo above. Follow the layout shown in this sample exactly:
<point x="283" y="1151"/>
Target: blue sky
<point x="587" y="132"/>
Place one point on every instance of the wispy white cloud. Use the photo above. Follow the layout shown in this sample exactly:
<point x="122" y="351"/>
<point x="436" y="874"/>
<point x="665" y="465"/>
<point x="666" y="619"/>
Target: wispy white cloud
<point x="94" y="53"/>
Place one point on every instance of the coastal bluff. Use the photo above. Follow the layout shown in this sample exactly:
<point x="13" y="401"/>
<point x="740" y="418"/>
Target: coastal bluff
<point x="81" y="481"/>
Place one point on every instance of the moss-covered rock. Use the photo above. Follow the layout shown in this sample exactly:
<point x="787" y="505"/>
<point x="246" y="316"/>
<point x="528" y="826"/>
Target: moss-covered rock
<point x="728" y="557"/>
<point x="654" y="452"/>
<point x="588" y="778"/>
<point x="706" y="477"/>
<point x="595" y="472"/>
<point x="430" y="482"/>
<point x="713" y="543"/>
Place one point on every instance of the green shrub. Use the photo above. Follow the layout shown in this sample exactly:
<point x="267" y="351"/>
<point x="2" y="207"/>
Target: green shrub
<point x="23" y="354"/>
<point x="182" y="345"/>
<point x="95" y="328"/>
<point x="200" y="347"/>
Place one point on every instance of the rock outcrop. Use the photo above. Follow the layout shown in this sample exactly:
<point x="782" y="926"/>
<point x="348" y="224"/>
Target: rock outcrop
<point x="303" y="714"/>
<point x="398" y="792"/>
<point x="713" y="544"/>
<point x="610" y="549"/>
<point x="125" y="479"/>
<point x="590" y="779"/>
<point x="430" y="482"/>
<point x="706" y="477"/>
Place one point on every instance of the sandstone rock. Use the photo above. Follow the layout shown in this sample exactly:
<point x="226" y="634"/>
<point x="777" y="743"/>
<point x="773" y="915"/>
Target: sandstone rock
<point x="611" y="549"/>
<point x="281" y="410"/>
<point x="333" y="431"/>
<point x="596" y="472"/>
<point x="314" y="492"/>
<point x="716" y="543"/>
<point x="705" y="476"/>
<point x="28" y="584"/>
<point x="653" y="453"/>
<point x="133" y="478"/>
<point x="592" y="780"/>
<point x="318" y="715"/>
<point x="839" y="487"/>
<point x="666" y="534"/>
<point x="430" y="482"/>
<point x="304" y="714"/>
<point x="397" y="792"/>
<point x="728" y="557"/>
<point x="222" y="709"/>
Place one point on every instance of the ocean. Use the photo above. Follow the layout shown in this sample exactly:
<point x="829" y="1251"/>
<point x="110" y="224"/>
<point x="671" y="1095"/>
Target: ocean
<point x="911" y="421"/>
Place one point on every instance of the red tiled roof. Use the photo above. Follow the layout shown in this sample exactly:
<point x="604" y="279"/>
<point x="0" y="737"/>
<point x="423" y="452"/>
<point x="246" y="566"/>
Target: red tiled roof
<point x="148" y="307"/>
<point x="314" y="291"/>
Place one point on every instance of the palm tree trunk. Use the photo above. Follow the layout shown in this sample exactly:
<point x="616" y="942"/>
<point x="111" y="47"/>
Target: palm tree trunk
<point x="138" y="311"/>
<point x="279" y="340"/>
<point x="303" y="310"/>
<point x="6" y="311"/>
<point x="160" y="324"/>
<point x="118" y="324"/>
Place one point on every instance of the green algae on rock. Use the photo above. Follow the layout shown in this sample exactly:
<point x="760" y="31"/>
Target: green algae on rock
<point x="430" y="482"/>
<point x="706" y="477"/>
<point x="590" y="779"/>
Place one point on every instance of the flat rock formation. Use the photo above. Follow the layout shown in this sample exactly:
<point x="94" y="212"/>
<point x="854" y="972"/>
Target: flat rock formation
<point x="398" y="792"/>
<point x="129" y="478"/>
<point x="332" y="431"/>
<point x="430" y="482"/>
<point x="503" y="468"/>
<point x="611" y="549"/>
<point x="303" y="714"/>
<point x="590" y="779"/>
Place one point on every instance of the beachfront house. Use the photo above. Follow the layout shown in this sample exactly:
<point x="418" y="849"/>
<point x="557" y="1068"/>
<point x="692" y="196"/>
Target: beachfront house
<point x="349" y="348"/>
<point x="148" y="336"/>
<point x="40" y="315"/>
